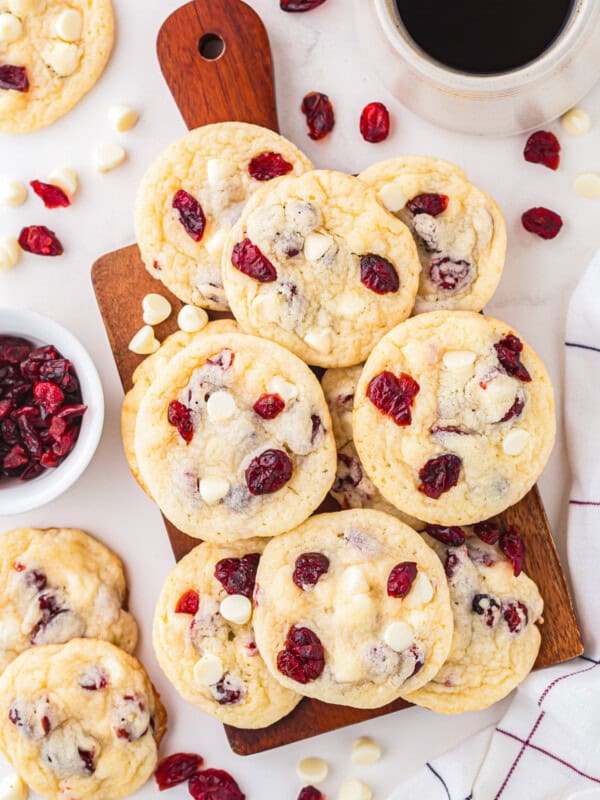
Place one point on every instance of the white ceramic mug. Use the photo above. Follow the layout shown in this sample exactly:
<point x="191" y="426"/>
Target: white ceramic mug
<point x="504" y="103"/>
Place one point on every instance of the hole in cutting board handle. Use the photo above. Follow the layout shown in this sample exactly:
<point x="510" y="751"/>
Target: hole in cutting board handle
<point x="211" y="46"/>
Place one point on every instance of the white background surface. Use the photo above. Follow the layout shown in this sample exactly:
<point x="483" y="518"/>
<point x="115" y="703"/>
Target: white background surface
<point x="314" y="51"/>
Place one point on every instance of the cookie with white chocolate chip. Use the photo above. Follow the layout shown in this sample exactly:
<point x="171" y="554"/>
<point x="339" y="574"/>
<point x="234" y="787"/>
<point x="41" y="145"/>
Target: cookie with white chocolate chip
<point x="204" y="639"/>
<point x="454" y="417"/>
<point x="194" y="192"/>
<point x="352" y="608"/>
<point x="459" y="230"/>
<point x="59" y="584"/>
<point x="316" y="264"/>
<point x="80" y="720"/>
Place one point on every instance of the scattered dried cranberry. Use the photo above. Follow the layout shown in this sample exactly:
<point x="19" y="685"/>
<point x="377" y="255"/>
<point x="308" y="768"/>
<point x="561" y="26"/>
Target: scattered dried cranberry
<point x="451" y="563"/>
<point x="543" y="147"/>
<point x="180" y="417"/>
<point x="188" y="603"/>
<point x="488" y="532"/>
<point x="238" y="575"/>
<point x="224" y="359"/>
<point x="487" y="607"/>
<point x="52" y="196"/>
<point x="542" y="221"/>
<point x="310" y="793"/>
<point x="224" y="694"/>
<point x="375" y="123"/>
<point x="95" y="681"/>
<point x="300" y="5"/>
<point x="319" y="114"/>
<point x="451" y="536"/>
<point x="515" y="410"/>
<point x="401" y="579"/>
<point x="393" y="396"/>
<point x="513" y="547"/>
<point x="432" y="204"/>
<point x="87" y="756"/>
<point x="448" y="274"/>
<point x="267" y="166"/>
<point x="176" y="769"/>
<point x="303" y="659"/>
<point x="439" y="475"/>
<point x="214" y="784"/>
<point x="248" y="258"/>
<point x="190" y="214"/>
<point x="509" y="352"/>
<point x="378" y="274"/>
<point x="40" y="240"/>
<point x="49" y="396"/>
<point x="269" y="406"/>
<point x="14" y="78"/>
<point x="516" y="616"/>
<point x="268" y="472"/>
<point x="308" y="569"/>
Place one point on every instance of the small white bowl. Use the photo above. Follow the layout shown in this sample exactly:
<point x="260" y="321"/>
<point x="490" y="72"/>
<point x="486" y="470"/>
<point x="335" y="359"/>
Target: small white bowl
<point x="19" y="496"/>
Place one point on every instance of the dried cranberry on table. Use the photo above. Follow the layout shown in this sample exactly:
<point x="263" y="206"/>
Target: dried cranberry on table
<point x="320" y="117"/>
<point x="542" y="221"/>
<point x="310" y="793"/>
<point x="40" y="240"/>
<point x="214" y="784"/>
<point x="176" y="769"/>
<point x="543" y="147"/>
<point x="375" y="123"/>
<point x="300" y="5"/>
<point x="51" y="195"/>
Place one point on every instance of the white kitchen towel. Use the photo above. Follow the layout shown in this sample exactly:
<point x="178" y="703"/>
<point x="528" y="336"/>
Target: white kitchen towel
<point x="547" y="746"/>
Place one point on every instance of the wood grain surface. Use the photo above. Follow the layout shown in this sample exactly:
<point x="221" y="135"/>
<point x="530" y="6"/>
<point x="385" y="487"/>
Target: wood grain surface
<point x="239" y="86"/>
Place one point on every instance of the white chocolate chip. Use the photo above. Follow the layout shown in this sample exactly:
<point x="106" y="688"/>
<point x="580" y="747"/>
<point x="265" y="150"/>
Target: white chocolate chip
<point x="399" y="636"/>
<point x="208" y="670"/>
<point x="316" y="245"/>
<point x="515" y="441"/>
<point x="144" y="342"/>
<point x="286" y="390"/>
<point x="236" y="608"/>
<point x="319" y="340"/>
<point x="11" y="28"/>
<point x="63" y="58"/>
<point x="13" y="788"/>
<point x="218" y="170"/>
<point x="587" y="184"/>
<point x="359" y="610"/>
<point x="220" y="406"/>
<point x="392" y="197"/>
<point x="421" y="592"/>
<point x="10" y="253"/>
<point x="354" y="790"/>
<point x="576" y="122"/>
<point x="265" y="307"/>
<point x="66" y="178"/>
<point x="353" y="581"/>
<point x="350" y="304"/>
<point x="156" y="309"/>
<point x="191" y="319"/>
<point x="312" y="770"/>
<point x="214" y="245"/>
<point x="365" y="751"/>
<point x="212" y="490"/>
<point x="108" y="156"/>
<point x="458" y="359"/>
<point x="69" y="25"/>
<point x="122" y="118"/>
<point x="12" y="193"/>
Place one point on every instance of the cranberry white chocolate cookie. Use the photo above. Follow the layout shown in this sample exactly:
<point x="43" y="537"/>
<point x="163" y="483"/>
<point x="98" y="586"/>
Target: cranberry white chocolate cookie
<point x="60" y="584"/>
<point x="80" y="721"/>
<point x="204" y="639"/>
<point x="454" y="417"/>
<point x="495" y="606"/>
<point x="233" y="439"/>
<point x="459" y="230"/>
<point x="352" y="608"/>
<point x="316" y="264"/>
<point x="51" y="54"/>
<point x="194" y="192"/>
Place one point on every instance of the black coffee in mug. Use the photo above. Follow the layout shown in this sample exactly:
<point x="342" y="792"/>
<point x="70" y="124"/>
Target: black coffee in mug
<point x="484" y="36"/>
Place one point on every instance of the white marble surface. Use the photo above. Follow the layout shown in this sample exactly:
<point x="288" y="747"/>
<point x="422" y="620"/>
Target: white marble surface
<point x="315" y="51"/>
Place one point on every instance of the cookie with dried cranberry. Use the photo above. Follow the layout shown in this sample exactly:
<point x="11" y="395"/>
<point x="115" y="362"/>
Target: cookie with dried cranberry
<point x="459" y="230"/>
<point x="317" y="265"/>
<point x="233" y="439"/>
<point x="80" y="720"/>
<point x="496" y="608"/>
<point x="352" y="608"/>
<point x="52" y="55"/>
<point x="454" y="417"/>
<point x="204" y="639"/>
<point x="194" y="192"/>
<point x="60" y="584"/>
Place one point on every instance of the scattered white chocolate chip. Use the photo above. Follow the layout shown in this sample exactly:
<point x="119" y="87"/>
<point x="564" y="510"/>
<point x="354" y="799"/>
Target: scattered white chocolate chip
<point x="236" y="608"/>
<point x="144" y="342"/>
<point x="66" y="178"/>
<point x="420" y="593"/>
<point x="63" y="58"/>
<point x="213" y="489"/>
<point x="208" y="670"/>
<point x="218" y="170"/>
<point x="319" y="340"/>
<point x="12" y="193"/>
<point x="122" y="118"/>
<point x="156" y="309"/>
<point x="13" y="788"/>
<point x="587" y="184"/>
<point x="515" y="441"/>
<point x="312" y="770"/>
<point x="576" y="122"/>
<point x="350" y="304"/>
<point x="10" y="253"/>
<point x="286" y="390"/>
<point x="69" y="25"/>
<point x="365" y="751"/>
<point x="353" y="580"/>
<point x="220" y="406"/>
<point x="392" y="197"/>
<point x="10" y="28"/>
<point x="265" y="307"/>
<point x="216" y="242"/>
<point x="108" y="156"/>
<point x="458" y="359"/>
<point x="316" y="245"/>
<point x="354" y="790"/>
<point x="191" y="319"/>
<point x="399" y="636"/>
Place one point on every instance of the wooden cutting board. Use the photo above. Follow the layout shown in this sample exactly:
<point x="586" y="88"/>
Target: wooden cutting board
<point x="238" y="85"/>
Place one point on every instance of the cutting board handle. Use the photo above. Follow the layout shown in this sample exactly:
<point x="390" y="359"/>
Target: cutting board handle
<point x="216" y="60"/>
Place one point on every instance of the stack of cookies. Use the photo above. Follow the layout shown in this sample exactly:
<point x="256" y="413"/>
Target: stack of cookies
<point x="430" y="421"/>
